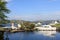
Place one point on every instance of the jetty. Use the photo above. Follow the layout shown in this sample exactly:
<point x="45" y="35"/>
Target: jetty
<point x="13" y="28"/>
<point x="19" y="30"/>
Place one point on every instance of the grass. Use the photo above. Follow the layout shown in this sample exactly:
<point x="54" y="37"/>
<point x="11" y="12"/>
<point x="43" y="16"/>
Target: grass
<point x="56" y="25"/>
<point x="2" y="29"/>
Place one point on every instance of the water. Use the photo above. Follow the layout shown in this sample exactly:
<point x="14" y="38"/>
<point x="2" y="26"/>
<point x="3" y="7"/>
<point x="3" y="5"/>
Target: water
<point x="40" y="35"/>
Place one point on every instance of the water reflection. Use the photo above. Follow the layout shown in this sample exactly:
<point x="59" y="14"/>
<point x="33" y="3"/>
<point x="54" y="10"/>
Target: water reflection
<point x="6" y="35"/>
<point x="48" y="33"/>
<point x="40" y="35"/>
<point x="1" y="35"/>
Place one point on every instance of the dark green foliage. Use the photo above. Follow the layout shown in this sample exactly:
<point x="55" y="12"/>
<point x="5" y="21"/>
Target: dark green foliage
<point x="1" y="35"/>
<point x="56" y="25"/>
<point x="3" y="11"/>
<point x="32" y="26"/>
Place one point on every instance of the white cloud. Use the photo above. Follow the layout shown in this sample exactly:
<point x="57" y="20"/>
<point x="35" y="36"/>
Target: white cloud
<point x="6" y="0"/>
<point x="50" y="16"/>
<point x="42" y="16"/>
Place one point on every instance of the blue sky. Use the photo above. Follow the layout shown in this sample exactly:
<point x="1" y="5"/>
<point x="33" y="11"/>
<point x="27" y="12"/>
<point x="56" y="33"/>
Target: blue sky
<point x="34" y="9"/>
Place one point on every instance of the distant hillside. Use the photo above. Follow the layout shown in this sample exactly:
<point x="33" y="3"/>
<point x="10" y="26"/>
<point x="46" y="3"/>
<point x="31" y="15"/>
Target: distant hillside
<point x="42" y="21"/>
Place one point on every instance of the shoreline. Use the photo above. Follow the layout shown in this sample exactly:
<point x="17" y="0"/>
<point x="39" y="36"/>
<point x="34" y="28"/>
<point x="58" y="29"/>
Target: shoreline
<point x="18" y="30"/>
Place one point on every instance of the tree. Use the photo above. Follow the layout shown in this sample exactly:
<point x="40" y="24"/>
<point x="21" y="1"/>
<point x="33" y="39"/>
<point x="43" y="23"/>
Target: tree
<point x="32" y="26"/>
<point x="3" y="11"/>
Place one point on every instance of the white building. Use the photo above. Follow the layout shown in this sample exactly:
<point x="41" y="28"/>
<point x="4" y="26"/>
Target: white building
<point x="53" y="23"/>
<point x="13" y="27"/>
<point x="46" y="26"/>
<point x="38" y="24"/>
<point x="19" y="26"/>
<point x="56" y="22"/>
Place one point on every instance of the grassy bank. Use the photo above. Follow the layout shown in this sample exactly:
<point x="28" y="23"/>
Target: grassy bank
<point x="2" y="29"/>
<point x="57" y="26"/>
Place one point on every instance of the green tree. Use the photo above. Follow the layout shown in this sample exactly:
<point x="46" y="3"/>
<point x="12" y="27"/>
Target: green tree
<point x="3" y="11"/>
<point x="32" y="26"/>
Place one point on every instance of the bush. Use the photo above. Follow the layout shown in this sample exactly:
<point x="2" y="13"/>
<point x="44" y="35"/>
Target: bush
<point x="56" y="25"/>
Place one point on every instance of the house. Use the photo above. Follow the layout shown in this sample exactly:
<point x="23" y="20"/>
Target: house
<point x="53" y="23"/>
<point x="46" y="26"/>
<point x="38" y="24"/>
<point x="19" y="26"/>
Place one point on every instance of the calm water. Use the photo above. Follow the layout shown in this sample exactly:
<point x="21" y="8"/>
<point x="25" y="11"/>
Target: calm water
<point x="40" y="35"/>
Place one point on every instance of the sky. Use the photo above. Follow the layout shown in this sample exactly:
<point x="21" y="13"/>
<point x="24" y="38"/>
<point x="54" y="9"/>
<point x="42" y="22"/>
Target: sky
<point x="34" y="9"/>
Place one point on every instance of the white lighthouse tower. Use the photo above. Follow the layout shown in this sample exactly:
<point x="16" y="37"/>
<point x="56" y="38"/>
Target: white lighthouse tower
<point x="13" y="27"/>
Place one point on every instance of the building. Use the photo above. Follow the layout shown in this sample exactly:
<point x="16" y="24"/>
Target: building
<point x="38" y="24"/>
<point x="46" y="26"/>
<point x="13" y="27"/>
<point x="53" y="23"/>
<point x="19" y="26"/>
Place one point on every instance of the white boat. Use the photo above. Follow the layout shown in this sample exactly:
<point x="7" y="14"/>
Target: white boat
<point x="46" y="27"/>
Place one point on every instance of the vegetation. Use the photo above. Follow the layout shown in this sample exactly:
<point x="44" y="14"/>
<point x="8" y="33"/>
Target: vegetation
<point x="22" y="26"/>
<point x="2" y="29"/>
<point x="56" y="25"/>
<point x="27" y="26"/>
<point x="1" y="35"/>
<point x="3" y="12"/>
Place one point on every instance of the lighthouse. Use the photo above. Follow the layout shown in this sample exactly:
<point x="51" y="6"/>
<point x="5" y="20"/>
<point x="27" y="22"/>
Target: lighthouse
<point x="13" y="27"/>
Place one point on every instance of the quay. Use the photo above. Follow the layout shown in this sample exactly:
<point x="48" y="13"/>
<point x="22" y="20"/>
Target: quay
<point x="13" y="28"/>
<point x="6" y="29"/>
